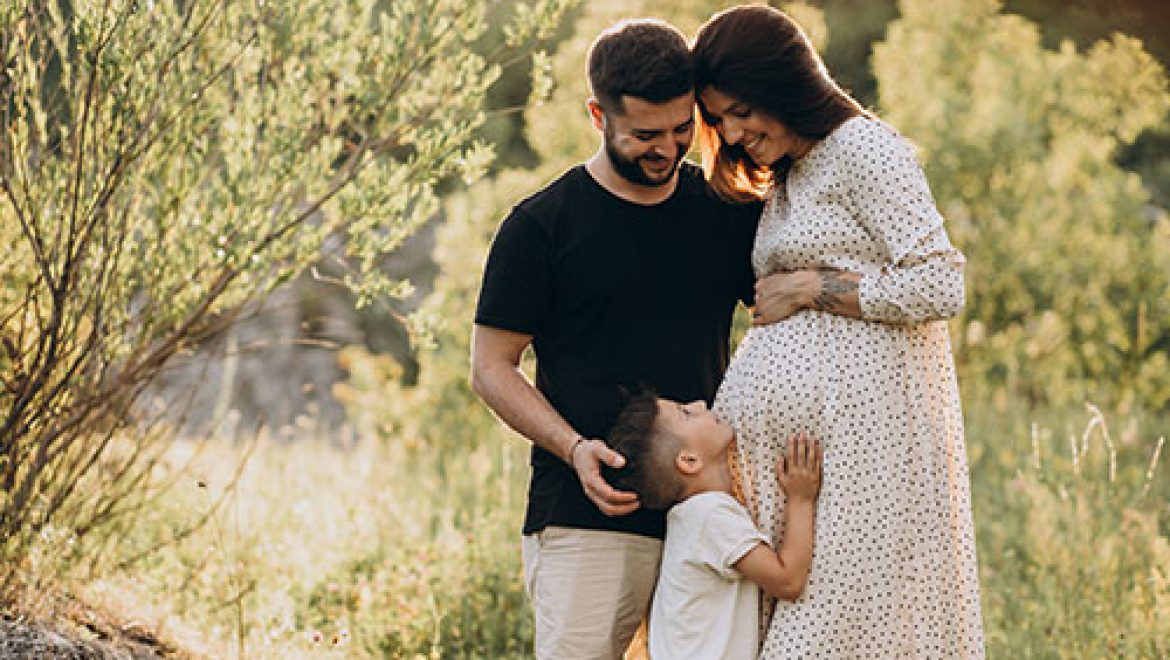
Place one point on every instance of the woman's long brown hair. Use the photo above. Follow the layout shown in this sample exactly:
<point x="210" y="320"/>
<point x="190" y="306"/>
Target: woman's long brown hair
<point x="760" y="56"/>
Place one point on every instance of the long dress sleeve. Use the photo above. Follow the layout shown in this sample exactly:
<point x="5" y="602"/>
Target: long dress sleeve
<point x="922" y="279"/>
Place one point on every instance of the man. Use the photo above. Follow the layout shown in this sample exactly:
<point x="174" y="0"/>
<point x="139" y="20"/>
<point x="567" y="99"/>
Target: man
<point x="623" y="273"/>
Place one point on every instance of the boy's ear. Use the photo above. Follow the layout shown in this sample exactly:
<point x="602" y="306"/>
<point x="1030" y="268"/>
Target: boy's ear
<point x="688" y="462"/>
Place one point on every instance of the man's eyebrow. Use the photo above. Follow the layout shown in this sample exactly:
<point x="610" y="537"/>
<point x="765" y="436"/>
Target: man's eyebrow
<point x="660" y="131"/>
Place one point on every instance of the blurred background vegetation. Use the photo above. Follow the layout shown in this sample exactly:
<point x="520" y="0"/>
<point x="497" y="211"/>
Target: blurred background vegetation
<point x="390" y="529"/>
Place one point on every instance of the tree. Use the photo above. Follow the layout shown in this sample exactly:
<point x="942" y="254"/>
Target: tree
<point x="1069" y="284"/>
<point x="165" y="163"/>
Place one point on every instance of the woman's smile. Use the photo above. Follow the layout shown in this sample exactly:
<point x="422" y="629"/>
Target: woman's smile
<point x="754" y="146"/>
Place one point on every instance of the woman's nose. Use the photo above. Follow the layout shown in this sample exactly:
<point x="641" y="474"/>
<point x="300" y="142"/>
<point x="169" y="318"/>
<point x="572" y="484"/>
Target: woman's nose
<point x="697" y="406"/>
<point x="730" y="131"/>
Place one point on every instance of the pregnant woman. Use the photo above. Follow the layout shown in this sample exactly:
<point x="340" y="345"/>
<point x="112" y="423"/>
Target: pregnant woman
<point x="857" y="276"/>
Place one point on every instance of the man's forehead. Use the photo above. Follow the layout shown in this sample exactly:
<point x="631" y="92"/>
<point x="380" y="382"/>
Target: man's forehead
<point x="668" y="114"/>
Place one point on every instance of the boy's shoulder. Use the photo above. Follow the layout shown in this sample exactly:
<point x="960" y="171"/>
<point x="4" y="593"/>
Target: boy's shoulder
<point x="701" y="510"/>
<point x="713" y="529"/>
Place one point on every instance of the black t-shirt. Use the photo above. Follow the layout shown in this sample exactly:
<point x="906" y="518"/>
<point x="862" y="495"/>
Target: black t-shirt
<point x="616" y="295"/>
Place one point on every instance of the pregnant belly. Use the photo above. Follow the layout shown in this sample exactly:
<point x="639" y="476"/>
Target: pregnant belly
<point x="777" y="382"/>
<point x="808" y="370"/>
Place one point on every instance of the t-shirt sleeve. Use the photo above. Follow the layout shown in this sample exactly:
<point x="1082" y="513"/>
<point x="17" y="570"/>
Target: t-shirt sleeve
<point x="728" y="534"/>
<point x="516" y="287"/>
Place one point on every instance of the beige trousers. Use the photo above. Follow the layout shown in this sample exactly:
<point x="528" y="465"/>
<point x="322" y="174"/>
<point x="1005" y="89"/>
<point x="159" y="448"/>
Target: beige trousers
<point x="590" y="590"/>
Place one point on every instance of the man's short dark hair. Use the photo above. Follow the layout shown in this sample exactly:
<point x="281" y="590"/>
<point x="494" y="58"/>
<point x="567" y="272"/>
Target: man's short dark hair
<point x="645" y="58"/>
<point x="650" y="454"/>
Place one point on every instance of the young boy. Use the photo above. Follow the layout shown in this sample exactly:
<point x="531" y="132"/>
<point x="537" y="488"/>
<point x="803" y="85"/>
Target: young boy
<point x="676" y="458"/>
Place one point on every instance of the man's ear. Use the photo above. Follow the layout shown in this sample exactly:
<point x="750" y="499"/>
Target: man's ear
<point x="596" y="113"/>
<point x="688" y="462"/>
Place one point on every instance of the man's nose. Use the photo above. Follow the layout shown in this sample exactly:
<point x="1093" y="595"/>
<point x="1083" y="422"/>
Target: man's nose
<point x="698" y="405"/>
<point x="663" y="148"/>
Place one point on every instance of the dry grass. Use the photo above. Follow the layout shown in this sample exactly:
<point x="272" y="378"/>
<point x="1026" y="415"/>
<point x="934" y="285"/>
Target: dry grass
<point x="400" y="549"/>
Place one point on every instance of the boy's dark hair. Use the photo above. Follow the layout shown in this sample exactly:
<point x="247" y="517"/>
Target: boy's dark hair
<point x="650" y="453"/>
<point x="645" y="58"/>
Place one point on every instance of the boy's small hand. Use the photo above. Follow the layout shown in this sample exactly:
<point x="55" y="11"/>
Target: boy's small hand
<point x="799" y="472"/>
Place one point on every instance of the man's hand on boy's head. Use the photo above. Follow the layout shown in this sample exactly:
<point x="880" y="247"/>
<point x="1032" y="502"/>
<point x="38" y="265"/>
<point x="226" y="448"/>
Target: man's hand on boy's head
<point x="587" y="459"/>
<point x="799" y="471"/>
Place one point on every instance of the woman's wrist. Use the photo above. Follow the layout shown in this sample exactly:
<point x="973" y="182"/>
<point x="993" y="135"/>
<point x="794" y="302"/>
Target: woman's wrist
<point x="810" y="290"/>
<point x="835" y="291"/>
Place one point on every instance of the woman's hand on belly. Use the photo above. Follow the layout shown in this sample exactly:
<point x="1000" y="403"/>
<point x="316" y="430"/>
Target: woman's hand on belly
<point x="780" y="295"/>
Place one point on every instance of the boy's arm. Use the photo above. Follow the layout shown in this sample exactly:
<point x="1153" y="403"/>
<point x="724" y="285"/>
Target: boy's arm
<point x="783" y="574"/>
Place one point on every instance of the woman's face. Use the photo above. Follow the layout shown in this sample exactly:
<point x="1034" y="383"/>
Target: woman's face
<point x="764" y="139"/>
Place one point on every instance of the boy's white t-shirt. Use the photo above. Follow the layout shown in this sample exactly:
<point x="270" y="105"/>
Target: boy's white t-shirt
<point x="704" y="608"/>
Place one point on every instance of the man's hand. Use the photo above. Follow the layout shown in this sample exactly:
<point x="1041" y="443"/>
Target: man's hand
<point x="799" y="473"/>
<point x="587" y="457"/>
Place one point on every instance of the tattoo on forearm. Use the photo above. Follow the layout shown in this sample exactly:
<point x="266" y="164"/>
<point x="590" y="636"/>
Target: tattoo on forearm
<point x="833" y="287"/>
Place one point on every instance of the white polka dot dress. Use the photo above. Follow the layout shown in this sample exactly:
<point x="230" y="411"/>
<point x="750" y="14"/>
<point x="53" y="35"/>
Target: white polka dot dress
<point x="894" y="573"/>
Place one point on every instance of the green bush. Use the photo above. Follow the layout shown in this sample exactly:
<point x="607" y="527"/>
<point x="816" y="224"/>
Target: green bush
<point x="1069" y="287"/>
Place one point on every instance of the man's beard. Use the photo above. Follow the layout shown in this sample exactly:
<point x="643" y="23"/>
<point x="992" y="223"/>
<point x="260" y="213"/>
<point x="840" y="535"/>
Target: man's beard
<point x="631" y="170"/>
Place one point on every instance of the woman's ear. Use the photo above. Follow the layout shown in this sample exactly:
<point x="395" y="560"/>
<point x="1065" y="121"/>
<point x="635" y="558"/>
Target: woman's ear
<point x="688" y="462"/>
<point x="596" y="114"/>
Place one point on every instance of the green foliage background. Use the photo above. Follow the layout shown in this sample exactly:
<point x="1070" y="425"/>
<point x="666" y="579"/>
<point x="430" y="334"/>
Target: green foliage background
<point x="1069" y="300"/>
<point x="1069" y="281"/>
<point x="407" y="547"/>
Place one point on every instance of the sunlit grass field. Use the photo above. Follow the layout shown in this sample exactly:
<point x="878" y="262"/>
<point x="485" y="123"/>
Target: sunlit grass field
<point x="381" y="548"/>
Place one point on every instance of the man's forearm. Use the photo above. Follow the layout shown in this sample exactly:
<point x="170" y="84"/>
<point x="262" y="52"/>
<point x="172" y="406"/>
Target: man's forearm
<point x="513" y="398"/>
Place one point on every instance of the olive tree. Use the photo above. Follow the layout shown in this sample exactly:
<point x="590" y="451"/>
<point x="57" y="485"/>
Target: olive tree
<point x="165" y="163"/>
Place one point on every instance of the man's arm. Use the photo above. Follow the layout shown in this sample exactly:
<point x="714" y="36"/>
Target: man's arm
<point x="497" y="379"/>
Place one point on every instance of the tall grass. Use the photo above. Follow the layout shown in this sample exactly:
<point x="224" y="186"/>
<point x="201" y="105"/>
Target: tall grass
<point x="345" y="551"/>
<point x="390" y="549"/>
<point x="1072" y="523"/>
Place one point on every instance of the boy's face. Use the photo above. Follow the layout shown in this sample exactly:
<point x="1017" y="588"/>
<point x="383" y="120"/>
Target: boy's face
<point x="699" y="430"/>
